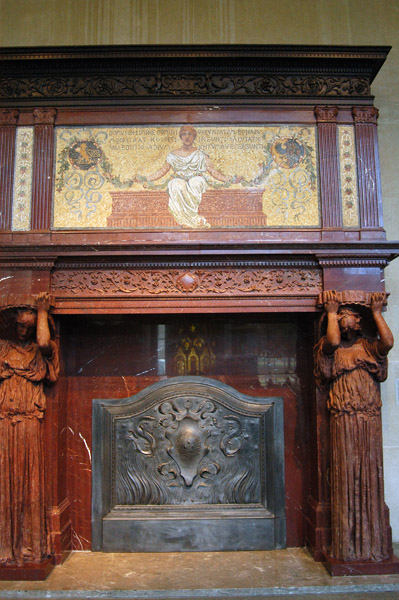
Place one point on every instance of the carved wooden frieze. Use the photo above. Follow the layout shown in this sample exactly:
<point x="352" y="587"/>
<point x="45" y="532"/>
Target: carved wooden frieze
<point x="180" y="282"/>
<point x="172" y="85"/>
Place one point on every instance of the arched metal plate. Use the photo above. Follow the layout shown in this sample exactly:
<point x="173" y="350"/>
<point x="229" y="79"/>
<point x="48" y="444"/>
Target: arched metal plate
<point x="188" y="464"/>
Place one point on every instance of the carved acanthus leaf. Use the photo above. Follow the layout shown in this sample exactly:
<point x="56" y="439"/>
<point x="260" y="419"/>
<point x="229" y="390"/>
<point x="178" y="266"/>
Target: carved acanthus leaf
<point x="326" y="114"/>
<point x="9" y="117"/>
<point x="44" y="116"/>
<point x="365" y="114"/>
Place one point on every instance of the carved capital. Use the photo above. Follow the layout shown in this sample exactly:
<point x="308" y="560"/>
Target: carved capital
<point x="9" y="117"/>
<point x="17" y="300"/>
<point x="349" y="297"/>
<point x="44" y="116"/>
<point x="365" y="114"/>
<point x="326" y="114"/>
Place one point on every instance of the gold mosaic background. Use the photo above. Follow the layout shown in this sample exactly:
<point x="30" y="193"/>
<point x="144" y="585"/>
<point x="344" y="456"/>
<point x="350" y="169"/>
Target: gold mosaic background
<point x="281" y="160"/>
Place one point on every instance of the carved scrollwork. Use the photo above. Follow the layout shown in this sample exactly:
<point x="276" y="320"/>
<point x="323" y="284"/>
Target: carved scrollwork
<point x="231" y="441"/>
<point x="175" y="282"/>
<point x="142" y="438"/>
<point x="172" y="85"/>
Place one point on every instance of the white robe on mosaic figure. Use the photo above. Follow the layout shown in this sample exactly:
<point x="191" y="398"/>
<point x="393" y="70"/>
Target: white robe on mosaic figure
<point x="186" y="189"/>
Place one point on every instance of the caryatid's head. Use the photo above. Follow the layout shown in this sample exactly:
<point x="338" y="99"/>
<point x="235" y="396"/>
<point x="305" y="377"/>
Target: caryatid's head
<point x="26" y="324"/>
<point x="349" y="322"/>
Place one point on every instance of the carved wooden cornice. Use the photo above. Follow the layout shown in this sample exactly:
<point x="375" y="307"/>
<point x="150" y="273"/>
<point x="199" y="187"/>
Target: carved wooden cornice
<point x="170" y="74"/>
<point x="239" y="254"/>
<point x="353" y="262"/>
<point x="72" y="265"/>
<point x="27" y="262"/>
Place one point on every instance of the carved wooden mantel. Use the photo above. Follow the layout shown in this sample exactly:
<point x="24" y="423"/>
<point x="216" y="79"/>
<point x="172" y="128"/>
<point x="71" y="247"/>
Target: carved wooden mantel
<point x="173" y="270"/>
<point x="284" y="277"/>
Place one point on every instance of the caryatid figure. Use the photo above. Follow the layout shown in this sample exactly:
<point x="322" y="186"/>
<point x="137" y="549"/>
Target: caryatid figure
<point x="27" y="360"/>
<point x="353" y="366"/>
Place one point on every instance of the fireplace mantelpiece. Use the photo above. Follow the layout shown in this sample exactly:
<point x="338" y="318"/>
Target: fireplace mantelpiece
<point x="311" y="114"/>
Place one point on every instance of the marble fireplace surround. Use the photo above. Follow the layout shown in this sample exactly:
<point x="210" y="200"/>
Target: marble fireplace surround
<point x="277" y="270"/>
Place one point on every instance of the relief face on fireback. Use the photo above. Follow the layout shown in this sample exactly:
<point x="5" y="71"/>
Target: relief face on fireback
<point x="187" y="450"/>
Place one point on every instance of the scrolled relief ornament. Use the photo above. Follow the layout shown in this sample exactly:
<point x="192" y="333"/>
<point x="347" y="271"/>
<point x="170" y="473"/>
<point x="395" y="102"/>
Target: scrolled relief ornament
<point x="157" y="84"/>
<point x="256" y="282"/>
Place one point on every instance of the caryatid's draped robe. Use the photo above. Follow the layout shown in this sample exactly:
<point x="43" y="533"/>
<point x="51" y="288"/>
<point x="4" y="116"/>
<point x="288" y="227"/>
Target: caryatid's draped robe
<point x="23" y="371"/>
<point x="359" y="528"/>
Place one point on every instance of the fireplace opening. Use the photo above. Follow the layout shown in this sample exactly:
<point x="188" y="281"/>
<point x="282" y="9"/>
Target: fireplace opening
<point x="259" y="355"/>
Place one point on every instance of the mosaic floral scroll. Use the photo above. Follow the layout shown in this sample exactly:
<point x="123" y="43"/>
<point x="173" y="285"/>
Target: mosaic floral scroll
<point x="22" y="192"/>
<point x="348" y="172"/>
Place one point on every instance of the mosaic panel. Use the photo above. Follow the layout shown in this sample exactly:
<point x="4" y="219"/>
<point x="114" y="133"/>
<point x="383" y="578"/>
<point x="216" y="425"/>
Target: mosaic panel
<point x="161" y="177"/>
<point x="348" y="171"/>
<point x="22" y="193"/>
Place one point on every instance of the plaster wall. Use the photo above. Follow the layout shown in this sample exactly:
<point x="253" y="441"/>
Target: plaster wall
<point x="346" y="22"/>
